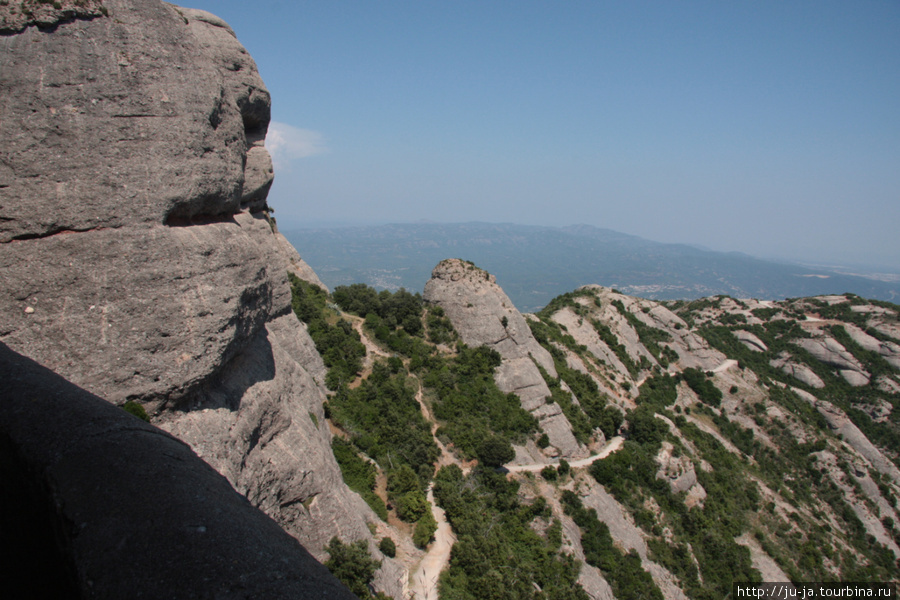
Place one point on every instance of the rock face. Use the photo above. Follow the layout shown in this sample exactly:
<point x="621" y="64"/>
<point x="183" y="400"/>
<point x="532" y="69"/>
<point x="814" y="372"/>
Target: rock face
<point x="484" y="316"/>
<point x="830" y="352"/>
<point x="137" y="259"/>
<point x="14" y="19"/>
<point x="751" y="341"/>
<point x="797" y="370"/>
<point x="890" y="351"/>
<point x="677" y="471"/>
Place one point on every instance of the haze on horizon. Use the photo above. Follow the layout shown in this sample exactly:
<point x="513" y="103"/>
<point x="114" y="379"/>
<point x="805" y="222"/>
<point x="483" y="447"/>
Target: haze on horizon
<point x="768" y="128"/>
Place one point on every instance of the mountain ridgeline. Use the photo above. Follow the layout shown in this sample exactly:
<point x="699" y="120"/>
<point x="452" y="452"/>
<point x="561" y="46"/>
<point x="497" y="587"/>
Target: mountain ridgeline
<point x="611" y="446"/>
<point x="535" y="264"/>
<point x="187" y="412"/>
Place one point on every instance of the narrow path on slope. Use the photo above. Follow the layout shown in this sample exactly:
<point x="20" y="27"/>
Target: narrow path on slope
<point x="726" y="364"/>
<point x="425" y="580"/>
<point x="423" y="584"/>
<point x="610" y="447"/>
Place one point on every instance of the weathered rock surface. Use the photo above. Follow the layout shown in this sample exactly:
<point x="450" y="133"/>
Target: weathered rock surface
<point x="15" y="17"/>
<point x="677" y="471"/>
<point x="751" y="341"/>
<point x="484" y="316"/>
<point x="841" y="423"/>
<point x="798" y="371"/>
<point x="99" y="504"/>
<point x="584" y="333"/>
<point x="137" y="259"/>
<point x="890" y="351"/>
<point x="831" y="352"/>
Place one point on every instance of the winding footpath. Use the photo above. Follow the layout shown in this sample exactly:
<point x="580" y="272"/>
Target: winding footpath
<point x="423" y="584"/>
<point x="611" y="446"/>
<point x="425" y="580"/>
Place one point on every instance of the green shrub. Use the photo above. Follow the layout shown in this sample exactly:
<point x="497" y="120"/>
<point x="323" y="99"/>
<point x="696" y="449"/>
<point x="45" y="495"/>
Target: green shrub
<point x="495" y="451"/>
<point x="387" y="547"/>
<point x="358" y="474"/>
<point x="425" y="528"/>
<point x="352" y="565"/>
<point x="137" y="410"/>
<point x="703" y="387"/>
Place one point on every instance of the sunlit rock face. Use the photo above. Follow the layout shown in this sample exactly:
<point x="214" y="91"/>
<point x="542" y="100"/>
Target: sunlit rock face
<point x="484" y="315"/>
<point x="137" y="257"/>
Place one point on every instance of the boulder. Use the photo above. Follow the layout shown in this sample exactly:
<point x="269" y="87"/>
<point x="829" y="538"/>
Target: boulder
<point x="751" y="341"/>
<point x="798" y="371"/>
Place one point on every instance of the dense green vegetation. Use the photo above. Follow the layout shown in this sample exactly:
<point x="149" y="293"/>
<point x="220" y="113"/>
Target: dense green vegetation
<point x="335" y="339"/>
<point x="508" y="548"/>
<point x="388" y="547"/>
<point x="469" y="405"/>
<point x="398" y="309"/>
<point x="658" y="391"/>
<point x="440" y="329"/>
<point x="498" y="555"/>
<point x="358" y="474"/>
<point x="630" y="475"/>
<point x="705" y="389"/>
<point x="353" y="566"/>
<point x="385" y="421"/>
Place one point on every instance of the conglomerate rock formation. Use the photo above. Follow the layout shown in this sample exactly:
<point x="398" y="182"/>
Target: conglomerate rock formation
<point x="484" y="315"/>
<point x="137" y="256"/>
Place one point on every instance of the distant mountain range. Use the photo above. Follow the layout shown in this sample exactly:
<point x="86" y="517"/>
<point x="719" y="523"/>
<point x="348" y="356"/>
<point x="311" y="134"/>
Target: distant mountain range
<point x="534" y="264"/>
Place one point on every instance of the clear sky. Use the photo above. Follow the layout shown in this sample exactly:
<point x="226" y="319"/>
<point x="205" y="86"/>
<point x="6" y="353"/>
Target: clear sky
<point x="767" y="127"/>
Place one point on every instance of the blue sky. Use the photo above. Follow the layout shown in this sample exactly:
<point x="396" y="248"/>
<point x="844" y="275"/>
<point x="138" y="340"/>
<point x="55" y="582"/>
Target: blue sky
<point x="767" y="127"/>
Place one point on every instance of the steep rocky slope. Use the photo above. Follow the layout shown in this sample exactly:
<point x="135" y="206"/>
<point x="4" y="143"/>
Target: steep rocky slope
<point x="137" y="256"/>
<point x="484" y="316"/>
<point x="749" y="452"/>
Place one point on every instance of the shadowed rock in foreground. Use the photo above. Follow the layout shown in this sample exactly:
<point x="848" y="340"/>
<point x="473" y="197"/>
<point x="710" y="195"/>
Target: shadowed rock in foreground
<point x="98" y="504"/>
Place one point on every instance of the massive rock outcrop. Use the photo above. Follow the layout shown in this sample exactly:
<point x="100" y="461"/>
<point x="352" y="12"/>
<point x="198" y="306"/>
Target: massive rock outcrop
<point x="485" y="316"/>
<point x="137" y="258"/>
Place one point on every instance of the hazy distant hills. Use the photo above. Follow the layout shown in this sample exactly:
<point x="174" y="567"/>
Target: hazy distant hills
<point x="535" y="264"/>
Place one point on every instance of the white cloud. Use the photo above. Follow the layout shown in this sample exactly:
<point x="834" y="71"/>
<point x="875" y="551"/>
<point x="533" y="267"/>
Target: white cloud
<point x="287" y="143"/>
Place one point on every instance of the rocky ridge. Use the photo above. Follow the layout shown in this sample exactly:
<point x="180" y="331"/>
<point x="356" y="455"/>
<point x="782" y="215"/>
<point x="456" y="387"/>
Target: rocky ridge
<point x="760" y="435"/>
<point x="824" y="352"/>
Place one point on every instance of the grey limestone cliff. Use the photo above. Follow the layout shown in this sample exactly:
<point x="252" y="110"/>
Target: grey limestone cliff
<point x="137" y="256"/>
